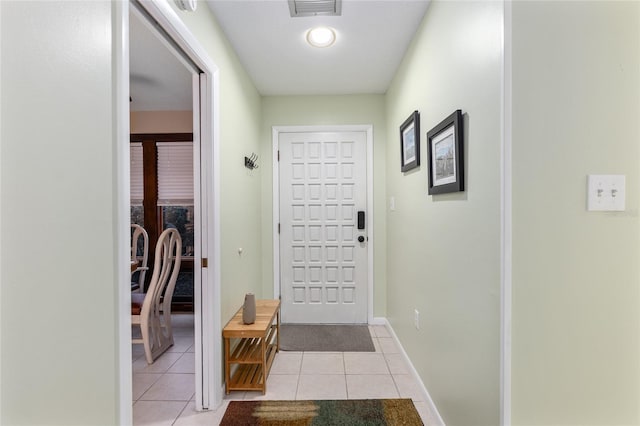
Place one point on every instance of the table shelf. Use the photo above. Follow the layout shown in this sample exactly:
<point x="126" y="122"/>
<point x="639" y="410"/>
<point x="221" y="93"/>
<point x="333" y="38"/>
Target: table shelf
<point x="248" y="375"/>
<point x="255" y="347"/>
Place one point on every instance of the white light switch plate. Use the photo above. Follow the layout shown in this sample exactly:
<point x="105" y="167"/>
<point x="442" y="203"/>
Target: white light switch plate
<point x="605" y="193"/>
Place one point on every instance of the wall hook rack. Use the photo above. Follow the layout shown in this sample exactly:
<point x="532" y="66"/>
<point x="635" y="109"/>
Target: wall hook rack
<point x="251" y="162"/>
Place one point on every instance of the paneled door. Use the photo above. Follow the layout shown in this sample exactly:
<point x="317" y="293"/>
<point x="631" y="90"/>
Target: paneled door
<point x="323" y="237"/>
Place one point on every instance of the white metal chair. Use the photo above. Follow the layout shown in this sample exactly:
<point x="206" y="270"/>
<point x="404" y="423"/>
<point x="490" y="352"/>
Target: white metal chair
<point x="138" y="232"/>
<point x="152" y="310"/>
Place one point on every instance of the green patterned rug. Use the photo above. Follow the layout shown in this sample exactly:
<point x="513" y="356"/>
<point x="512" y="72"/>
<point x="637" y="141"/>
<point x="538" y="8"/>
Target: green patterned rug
<point x="348" y="412"/>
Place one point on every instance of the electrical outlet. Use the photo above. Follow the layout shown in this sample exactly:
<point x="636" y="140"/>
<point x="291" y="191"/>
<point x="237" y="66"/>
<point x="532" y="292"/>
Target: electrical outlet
<point x="416" y="319"/>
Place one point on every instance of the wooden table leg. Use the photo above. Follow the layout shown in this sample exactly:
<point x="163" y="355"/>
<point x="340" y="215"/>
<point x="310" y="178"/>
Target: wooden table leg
<point x="264" y="365"/>
<point x="278" y="331"/>
<point x="227" y="366"/>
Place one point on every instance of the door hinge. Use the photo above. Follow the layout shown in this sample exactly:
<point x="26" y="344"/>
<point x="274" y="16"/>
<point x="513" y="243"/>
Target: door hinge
<point x="278" y="155"/>
<point x="205" y="262"/>
<point x="278" y="228"/>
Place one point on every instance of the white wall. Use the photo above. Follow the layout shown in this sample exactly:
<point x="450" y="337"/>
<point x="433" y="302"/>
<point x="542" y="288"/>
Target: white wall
<point x="316" y="111"/>
<point x="576" y="291"/>
<point x="444" y="251"/>
<point x="58" y="194"/>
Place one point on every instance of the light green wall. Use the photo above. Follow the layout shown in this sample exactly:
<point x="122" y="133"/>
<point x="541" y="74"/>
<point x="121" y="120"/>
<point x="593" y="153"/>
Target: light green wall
<point x="240" y="133"/>
<point x="58" y="265"/>
<point x="444" y="251"/>
<point x="576" y="299"/>
<point x="316" y="111"/>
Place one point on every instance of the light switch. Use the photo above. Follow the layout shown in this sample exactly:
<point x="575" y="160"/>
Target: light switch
<point x="605" y="192"/>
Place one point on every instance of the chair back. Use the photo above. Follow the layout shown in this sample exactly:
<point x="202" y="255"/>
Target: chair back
<point x="165" y="274"/>
<point x="140" y="253"/>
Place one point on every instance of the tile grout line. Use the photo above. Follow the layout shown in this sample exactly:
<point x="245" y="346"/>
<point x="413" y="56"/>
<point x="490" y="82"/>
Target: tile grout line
<point x="180" y="413"/>
<point x="384" y="355"/>
<point x="295" y="396"/>
<point x="344" y="367"/>
<point x="143" y="393"/>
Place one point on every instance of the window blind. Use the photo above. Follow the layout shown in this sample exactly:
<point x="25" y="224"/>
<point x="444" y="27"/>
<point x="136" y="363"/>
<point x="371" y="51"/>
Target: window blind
<point x="136" y="174"/>
<point x="175" y="173"/>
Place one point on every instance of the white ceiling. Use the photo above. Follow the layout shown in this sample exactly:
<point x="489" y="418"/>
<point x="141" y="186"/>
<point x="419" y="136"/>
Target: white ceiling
<point x="372" y="37"/>
<point x="158" y="81"/>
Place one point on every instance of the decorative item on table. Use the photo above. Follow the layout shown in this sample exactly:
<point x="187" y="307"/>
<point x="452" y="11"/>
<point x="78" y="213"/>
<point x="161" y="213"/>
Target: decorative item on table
<point x="445" y="145"/>
<point x="249" y="309"/>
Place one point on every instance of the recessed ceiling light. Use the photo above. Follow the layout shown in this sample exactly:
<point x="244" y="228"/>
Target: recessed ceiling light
<point x="321" y="36"/>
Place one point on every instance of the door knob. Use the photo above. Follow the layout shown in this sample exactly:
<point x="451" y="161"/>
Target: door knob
<point x="361" y="239"/>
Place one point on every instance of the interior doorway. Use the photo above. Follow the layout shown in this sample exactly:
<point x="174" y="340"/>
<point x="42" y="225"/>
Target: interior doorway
<point x="162" y="176"/>
<point x="203" y="82"/>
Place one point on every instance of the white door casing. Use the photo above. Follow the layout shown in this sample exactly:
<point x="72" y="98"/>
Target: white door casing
<point x="200" y="243"/>
<point x="323" y="265"/>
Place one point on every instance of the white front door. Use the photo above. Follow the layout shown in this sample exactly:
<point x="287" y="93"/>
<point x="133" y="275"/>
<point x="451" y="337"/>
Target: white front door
<point x="323" y="220"/>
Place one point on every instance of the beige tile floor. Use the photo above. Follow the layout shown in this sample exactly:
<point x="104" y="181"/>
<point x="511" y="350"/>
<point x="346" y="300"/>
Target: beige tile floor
<point x="163" y="392"/>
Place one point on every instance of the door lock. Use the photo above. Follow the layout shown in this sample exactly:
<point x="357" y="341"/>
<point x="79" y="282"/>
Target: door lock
<point x="361" y="220"/>
<point x="361" y="239"/>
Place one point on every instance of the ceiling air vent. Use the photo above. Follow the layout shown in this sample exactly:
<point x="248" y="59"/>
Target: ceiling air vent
<point x="315" y="8"/>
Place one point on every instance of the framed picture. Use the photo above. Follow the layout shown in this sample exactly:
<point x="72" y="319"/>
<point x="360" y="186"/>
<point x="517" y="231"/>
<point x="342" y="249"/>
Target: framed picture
<point x="446" y="166"/>
<point x="410" y="142"/>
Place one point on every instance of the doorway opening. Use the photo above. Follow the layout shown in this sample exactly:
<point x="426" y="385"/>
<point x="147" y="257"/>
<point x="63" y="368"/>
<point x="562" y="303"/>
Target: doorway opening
<point x="202" y="211"/>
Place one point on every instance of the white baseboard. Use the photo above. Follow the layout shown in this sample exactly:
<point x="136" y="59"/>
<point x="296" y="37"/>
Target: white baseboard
<point x="432" y="407"/>
<point x="378" y="321"/>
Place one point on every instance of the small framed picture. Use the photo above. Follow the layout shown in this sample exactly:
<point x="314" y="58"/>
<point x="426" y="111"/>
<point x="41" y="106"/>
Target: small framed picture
<point x="410" y="142"/>
<point x="446" y="166"/>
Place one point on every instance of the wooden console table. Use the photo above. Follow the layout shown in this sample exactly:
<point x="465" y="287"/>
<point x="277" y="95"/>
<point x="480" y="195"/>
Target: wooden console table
<point x="255" y="349"/>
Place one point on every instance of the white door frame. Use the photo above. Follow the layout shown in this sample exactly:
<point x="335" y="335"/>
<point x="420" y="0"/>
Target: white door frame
<point x="207" y="298"/>
<point x="506" y="218"/>
<point x="368" y="129"/>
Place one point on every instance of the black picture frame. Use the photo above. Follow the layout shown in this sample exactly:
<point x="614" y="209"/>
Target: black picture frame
<point x="446" y="155"/>
<point x="410" y="142"/>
